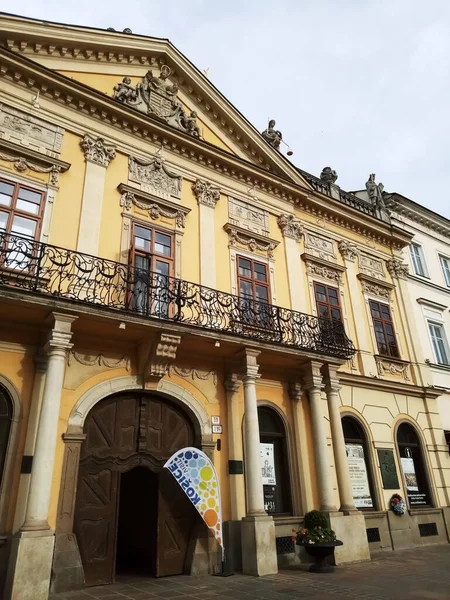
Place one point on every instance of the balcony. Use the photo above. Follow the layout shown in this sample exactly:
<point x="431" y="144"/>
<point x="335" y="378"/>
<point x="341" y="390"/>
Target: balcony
<point x="36" y="268"/>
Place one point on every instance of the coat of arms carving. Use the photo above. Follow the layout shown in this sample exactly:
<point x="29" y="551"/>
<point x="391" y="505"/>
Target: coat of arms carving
<point x="157" y="96"/>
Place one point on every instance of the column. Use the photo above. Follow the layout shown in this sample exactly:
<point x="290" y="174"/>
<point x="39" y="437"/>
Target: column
<point x="340" y="456"/>
<point x="301" y="445"/>
<point x="258" y="529"/>
<point x="30" y="562"/>
<point x="235" y="448"/>
<point x="40" y="360"/>
<point x="207" y="196"/>
<point x="292" y="231"/>
<point x="312" y="382"/>
<point x="98" y="155"/>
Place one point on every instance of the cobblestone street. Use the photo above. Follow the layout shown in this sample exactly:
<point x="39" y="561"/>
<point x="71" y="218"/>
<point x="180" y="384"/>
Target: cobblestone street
<point x="422" y="574"/>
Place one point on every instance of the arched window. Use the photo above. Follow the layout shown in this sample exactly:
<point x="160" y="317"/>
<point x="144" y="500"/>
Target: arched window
<point x="413" y="466"/>
<point x="274" y="462"/>
<point x="358" y="464"/>
<point x="5" y="428"/>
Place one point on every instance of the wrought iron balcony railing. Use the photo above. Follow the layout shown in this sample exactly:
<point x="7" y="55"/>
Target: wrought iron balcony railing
<point x="62" y="273"/>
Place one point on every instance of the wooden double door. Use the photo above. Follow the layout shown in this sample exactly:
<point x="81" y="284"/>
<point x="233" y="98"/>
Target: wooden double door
<point x="131" y="515"/>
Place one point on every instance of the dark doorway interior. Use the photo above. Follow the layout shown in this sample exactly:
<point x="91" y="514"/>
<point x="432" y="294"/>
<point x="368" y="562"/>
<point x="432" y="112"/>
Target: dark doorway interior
<point x="137" y="527"/>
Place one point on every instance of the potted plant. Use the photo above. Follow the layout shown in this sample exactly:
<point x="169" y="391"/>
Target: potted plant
<point x="319" y="541"/>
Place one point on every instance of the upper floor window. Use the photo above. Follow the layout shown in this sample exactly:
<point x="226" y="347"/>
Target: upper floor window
<point x="254" y="291"/>
<point x="384" y="329"/>
<point x="439" y="341"/>
<point x="418" y="260"/>
<point x="152" y="258"/>
<point x="327" y="300"/>
<point x="21" y="209"/>
<point x="445" y="264"/>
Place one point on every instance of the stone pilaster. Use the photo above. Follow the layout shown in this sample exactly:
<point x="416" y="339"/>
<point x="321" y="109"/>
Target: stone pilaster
<point x="292" y="231"/>
<point x="207" y="196"/>
<point x="301" y="445"/>
<point x="235" y="447"/>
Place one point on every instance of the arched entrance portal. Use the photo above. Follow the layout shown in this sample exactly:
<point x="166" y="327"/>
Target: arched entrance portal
<point x="130" y="513"/>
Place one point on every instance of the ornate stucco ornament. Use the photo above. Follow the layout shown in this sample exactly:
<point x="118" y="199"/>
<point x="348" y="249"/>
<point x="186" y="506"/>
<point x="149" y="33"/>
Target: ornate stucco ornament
<point x="272" y="135"/>
<point x="328" y="175"/>
<point x="157" y="96"/>
<point x="348" y="250"/>
<point x="206" y="193"/>
<point x="290" y="227"/>
<point x="97" y="151"/>
<point x="396" y="268"/>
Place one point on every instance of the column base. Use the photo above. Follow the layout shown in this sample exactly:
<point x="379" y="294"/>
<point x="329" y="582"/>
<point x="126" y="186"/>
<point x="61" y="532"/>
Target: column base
<point x="259" y="556"/>
<point x="67" y="569"/>
<point x="351" y="530"/>
<point x="35" y="526"/>
<point x="30" y="566"/>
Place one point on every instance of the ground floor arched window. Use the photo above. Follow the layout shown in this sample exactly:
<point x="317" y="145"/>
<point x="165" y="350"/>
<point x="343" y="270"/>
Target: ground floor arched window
<point x="274" y="462"/>
<point x="6" y="411"/>
<point x="413" y="466"/>
<point x="358" y="463"/>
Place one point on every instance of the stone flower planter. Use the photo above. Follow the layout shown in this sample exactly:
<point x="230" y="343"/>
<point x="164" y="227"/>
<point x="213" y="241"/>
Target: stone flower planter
<point x="321" y="552"/>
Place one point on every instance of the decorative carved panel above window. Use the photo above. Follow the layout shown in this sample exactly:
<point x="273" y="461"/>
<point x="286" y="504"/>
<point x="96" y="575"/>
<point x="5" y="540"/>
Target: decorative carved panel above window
<point x="248" y="216"/>
<point x="156" y="207"/>
<point x="371" y="265"/>
<point x="25" y="130"/>
<point x="320" y="247"/>
<point x="375" y="287"/>
<point x="154" y="177"/>
<point x="252" y="241"/>
<point x="318" y="267"/>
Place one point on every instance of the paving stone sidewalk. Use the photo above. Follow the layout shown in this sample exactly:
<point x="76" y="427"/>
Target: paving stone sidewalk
<point x="419" y="574"/>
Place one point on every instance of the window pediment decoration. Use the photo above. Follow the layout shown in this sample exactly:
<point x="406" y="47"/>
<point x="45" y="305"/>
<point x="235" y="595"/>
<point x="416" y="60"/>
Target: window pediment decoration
<point x="319" y="246"/>
<point x="156" y="207"/>
<point x="392" y="367"/>
<point x="251" y="240"/>
<point x="375" y="287"/>
<point x="322" y="268"/>
<point x="154" y="177"/>
<point x="24" y="159"/>
<point x="157" y="96"/>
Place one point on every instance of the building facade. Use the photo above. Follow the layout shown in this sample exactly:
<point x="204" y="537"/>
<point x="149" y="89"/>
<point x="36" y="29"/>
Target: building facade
<point x="169" y="279"/>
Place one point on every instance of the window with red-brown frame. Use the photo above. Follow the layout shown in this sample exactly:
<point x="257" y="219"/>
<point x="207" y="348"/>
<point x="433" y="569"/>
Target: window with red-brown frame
<point x="384" y="329"/>
<point x="152" y="259"/>
<point x="21" y="209"/>
<point x="327" y="301"/>
<point x="254" y="291"/>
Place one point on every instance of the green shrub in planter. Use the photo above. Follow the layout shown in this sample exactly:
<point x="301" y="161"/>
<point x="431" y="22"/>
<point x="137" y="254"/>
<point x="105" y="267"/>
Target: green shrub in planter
<point x="314" y="519"/>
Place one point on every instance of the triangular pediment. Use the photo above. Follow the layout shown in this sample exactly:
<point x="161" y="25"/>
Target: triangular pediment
<point x="102" y="60"/>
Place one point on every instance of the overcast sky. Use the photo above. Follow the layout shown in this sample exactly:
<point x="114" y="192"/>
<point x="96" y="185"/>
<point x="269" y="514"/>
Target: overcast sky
<point x="361" y="86"/>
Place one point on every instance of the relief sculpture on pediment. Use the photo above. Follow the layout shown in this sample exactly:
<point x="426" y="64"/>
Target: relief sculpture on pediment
<point x="157" y="96"/>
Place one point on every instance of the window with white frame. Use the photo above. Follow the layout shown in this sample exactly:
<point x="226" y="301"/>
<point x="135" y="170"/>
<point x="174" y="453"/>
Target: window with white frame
<point x="418" y="260"/>
<point x="439" y="341"/>
<point x="445" y="264"/>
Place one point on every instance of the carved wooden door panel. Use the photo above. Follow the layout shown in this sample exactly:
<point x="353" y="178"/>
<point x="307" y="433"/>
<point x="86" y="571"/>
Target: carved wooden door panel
<point x="112" y="430"/>
<point x="95" y="522"/>
<point x="176" y="517"/>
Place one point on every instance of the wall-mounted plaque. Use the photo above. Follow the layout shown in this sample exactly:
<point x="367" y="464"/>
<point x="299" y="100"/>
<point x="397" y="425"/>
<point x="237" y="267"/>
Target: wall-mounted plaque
<point x="388" y="469"/>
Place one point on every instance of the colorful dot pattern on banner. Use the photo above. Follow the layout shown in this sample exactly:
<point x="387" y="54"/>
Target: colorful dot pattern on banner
<point x="203" y="478"/>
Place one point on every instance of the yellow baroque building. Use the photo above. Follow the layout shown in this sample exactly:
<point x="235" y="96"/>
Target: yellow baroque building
<point x="169" y="279"/>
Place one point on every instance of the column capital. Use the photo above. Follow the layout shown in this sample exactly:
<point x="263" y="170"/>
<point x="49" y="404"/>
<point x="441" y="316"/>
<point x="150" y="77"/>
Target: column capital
<point x="331" y="378"/>
<point x="249" y="364"/>
<point x="290" y="227"/>
<point x="206" y="193"/>
<point x="295" y="391"/>
<point x="61" y="333"/>
<point x="312" y="376"/>
<point x="97" y="151"/>
<point x="73" y="438"/>
<point x="232" y="383"/>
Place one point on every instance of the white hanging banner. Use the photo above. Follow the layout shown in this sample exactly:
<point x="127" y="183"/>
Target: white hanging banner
<point x="358" y="476"/>
<point x="267" y="464"/>
<point x="197" y="477"/>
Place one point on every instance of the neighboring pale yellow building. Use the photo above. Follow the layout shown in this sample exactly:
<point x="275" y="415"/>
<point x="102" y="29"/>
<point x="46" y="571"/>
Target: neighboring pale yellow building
<point x="148" y="237"/>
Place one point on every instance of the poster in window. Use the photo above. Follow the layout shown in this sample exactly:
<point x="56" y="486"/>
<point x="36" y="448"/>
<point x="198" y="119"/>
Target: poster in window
<point x="412" y="487"/>
<point x="269" y="499"/>
<point x="267" y="464"/>
<point x="358" y="476"/>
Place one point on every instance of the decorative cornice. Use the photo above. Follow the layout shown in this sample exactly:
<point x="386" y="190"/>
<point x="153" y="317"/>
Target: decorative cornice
<point x="322" y="268"/>
<point x="97" y="151"/>
<point x="206" y="193"/>
<point x="250" y="239"/>
<point x="24" y="158"/>
<point x="156" y="207"/>
<point x="396" y="268"/>
<point x="376" y="287"/>
<point x="432" y="304"/>
<point x="348" y="250"/>
<point x="290" y="227"/>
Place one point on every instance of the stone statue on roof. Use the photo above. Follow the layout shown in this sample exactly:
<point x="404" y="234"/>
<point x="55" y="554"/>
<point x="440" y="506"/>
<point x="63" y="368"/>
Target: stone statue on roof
<point x="328" y="175"/>
<point x="272" y="136"/>
<point x="375" y="193"/>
